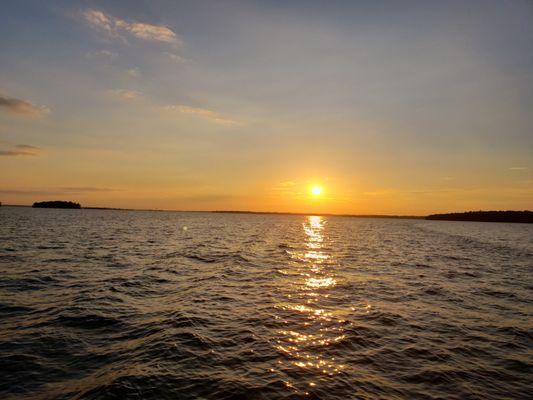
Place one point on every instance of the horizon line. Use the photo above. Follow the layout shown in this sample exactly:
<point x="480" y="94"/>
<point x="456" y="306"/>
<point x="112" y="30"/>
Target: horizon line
<point x="237" y="211"/>
<point x="398" y="216"/>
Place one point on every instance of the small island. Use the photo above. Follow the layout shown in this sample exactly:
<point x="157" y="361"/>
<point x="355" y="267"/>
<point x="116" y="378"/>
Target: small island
<point x="56" y="204"/>
<point x="486" y="216"/>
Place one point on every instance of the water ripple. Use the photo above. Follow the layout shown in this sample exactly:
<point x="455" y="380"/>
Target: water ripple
<point x="118" y="304"/>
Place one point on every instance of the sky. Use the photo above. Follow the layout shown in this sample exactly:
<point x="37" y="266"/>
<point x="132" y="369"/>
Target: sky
<point x="391" y="107"/>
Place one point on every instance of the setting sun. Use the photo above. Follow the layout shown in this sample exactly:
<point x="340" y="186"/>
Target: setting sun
<point x="316" y="190"/>
<point x="269" y="187"/>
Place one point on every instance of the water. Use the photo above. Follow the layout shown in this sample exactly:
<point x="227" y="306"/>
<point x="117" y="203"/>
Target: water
<point x="156" y="305"/>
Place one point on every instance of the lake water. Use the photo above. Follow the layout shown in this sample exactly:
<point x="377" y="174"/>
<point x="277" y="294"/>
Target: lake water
<point x="101" y="304"/>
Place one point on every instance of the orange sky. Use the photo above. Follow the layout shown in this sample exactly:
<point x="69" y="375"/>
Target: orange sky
<point x="227" y="106"/>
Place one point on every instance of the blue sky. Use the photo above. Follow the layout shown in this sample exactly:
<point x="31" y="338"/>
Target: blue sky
<point x="393" y="107"/>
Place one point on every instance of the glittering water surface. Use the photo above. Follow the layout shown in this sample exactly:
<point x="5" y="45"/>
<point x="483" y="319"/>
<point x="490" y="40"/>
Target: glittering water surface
<point x="155" y="305"/>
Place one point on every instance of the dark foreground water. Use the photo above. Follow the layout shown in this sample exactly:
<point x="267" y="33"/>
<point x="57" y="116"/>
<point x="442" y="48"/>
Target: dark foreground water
<point x="156" y="305"/>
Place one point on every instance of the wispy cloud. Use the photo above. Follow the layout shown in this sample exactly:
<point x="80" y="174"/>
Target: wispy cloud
<point x="207" y="198"/>
<point x="27" y="147"/>
<point x="117" y="27"/>
<point x="518" y="168"/>
<point x="56" y="191"/>
<point x="201" y="112"/>
<point x="125" y="94"/>
<point x="101" y="54"/>
<point x="285" y="186"/>
<point x="87" y="189"/>
<point x="14" y="153"/>
<point x="21" y="107"/>
<point x="176" y="58"/>
<point x="379" y="193"/>
<point x="20" y="150"/>
<point x="133" y="72"/>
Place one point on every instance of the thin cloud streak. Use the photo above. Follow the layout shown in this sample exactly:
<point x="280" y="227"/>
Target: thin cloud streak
<point x="57" y="191"/>
<point x="176" y="58"/>
<point x="88" y="189"/>
<point x="125" y="94"/>
<point x="14" y="153"/>
<point x="133" y="72"/>
<point x="201" y="112"/>
<point x="101" y="54"/>
<point x="27" y="146"/>
<point x="22" y="107"/>
<point x="20" y="150"/>
<point x="115" y="27"/>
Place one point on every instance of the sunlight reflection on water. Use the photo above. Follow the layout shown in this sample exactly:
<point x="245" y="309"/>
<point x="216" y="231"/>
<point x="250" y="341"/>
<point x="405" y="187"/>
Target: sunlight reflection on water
<point x="128" y="305"/>
<point x="306" y="344"/>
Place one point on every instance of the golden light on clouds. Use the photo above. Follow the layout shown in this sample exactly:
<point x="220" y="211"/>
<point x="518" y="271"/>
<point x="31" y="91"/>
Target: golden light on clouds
<point x="177" y="122"/>
<point x="115" y="27"/>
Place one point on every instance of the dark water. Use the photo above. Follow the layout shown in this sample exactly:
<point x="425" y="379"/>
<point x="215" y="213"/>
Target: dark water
<point x="155" y="305"/>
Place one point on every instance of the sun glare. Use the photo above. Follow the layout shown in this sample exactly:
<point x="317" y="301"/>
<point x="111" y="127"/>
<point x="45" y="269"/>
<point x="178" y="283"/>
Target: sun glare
<point x="316" y="190"/>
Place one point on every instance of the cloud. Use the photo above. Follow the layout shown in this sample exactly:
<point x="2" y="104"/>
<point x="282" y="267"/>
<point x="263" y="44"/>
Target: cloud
<point x="207" y="198"/>
<point x="98" y="19"/>
<point x="518" y="168"/>
<point x="285" y="187"/>
<point x="201" y="112"/>
<point x="87" y="189"/>
<point x="26" y="192"/>
<point x="149" y="32"/>
<point x="21" y="107"/>
<point x="176" y="58"/>
<point x="20" y="150"/>
<point x="125" y="94"/>
<point x="101" y="54"/>
<point x="27" y="147"/>
<point x="8" y="153"/>
<point x="133" y="72"/>
<point x="56" y="191"/>
<point x="379" y="193"/>
<point x="116" y="27"/>
<point x="287" y="184"/>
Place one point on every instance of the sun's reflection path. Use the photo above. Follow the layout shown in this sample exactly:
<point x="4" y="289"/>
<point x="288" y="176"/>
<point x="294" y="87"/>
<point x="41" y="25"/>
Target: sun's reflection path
<point x="314" y="324"/>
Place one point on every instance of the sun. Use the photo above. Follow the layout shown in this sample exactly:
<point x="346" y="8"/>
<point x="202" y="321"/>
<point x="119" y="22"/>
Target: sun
<point x="316" y="190"/>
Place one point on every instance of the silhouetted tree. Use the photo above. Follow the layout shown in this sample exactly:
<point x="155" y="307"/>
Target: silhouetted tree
<point x="486" y="216"/>
<point x="56" y="204"/>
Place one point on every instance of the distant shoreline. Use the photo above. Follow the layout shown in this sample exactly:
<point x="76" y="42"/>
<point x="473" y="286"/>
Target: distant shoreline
<point x="468" y="216"/>
<point x="245" y="212"/>
<point x="525" y="217"/>
<point x="321" y="214"/>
